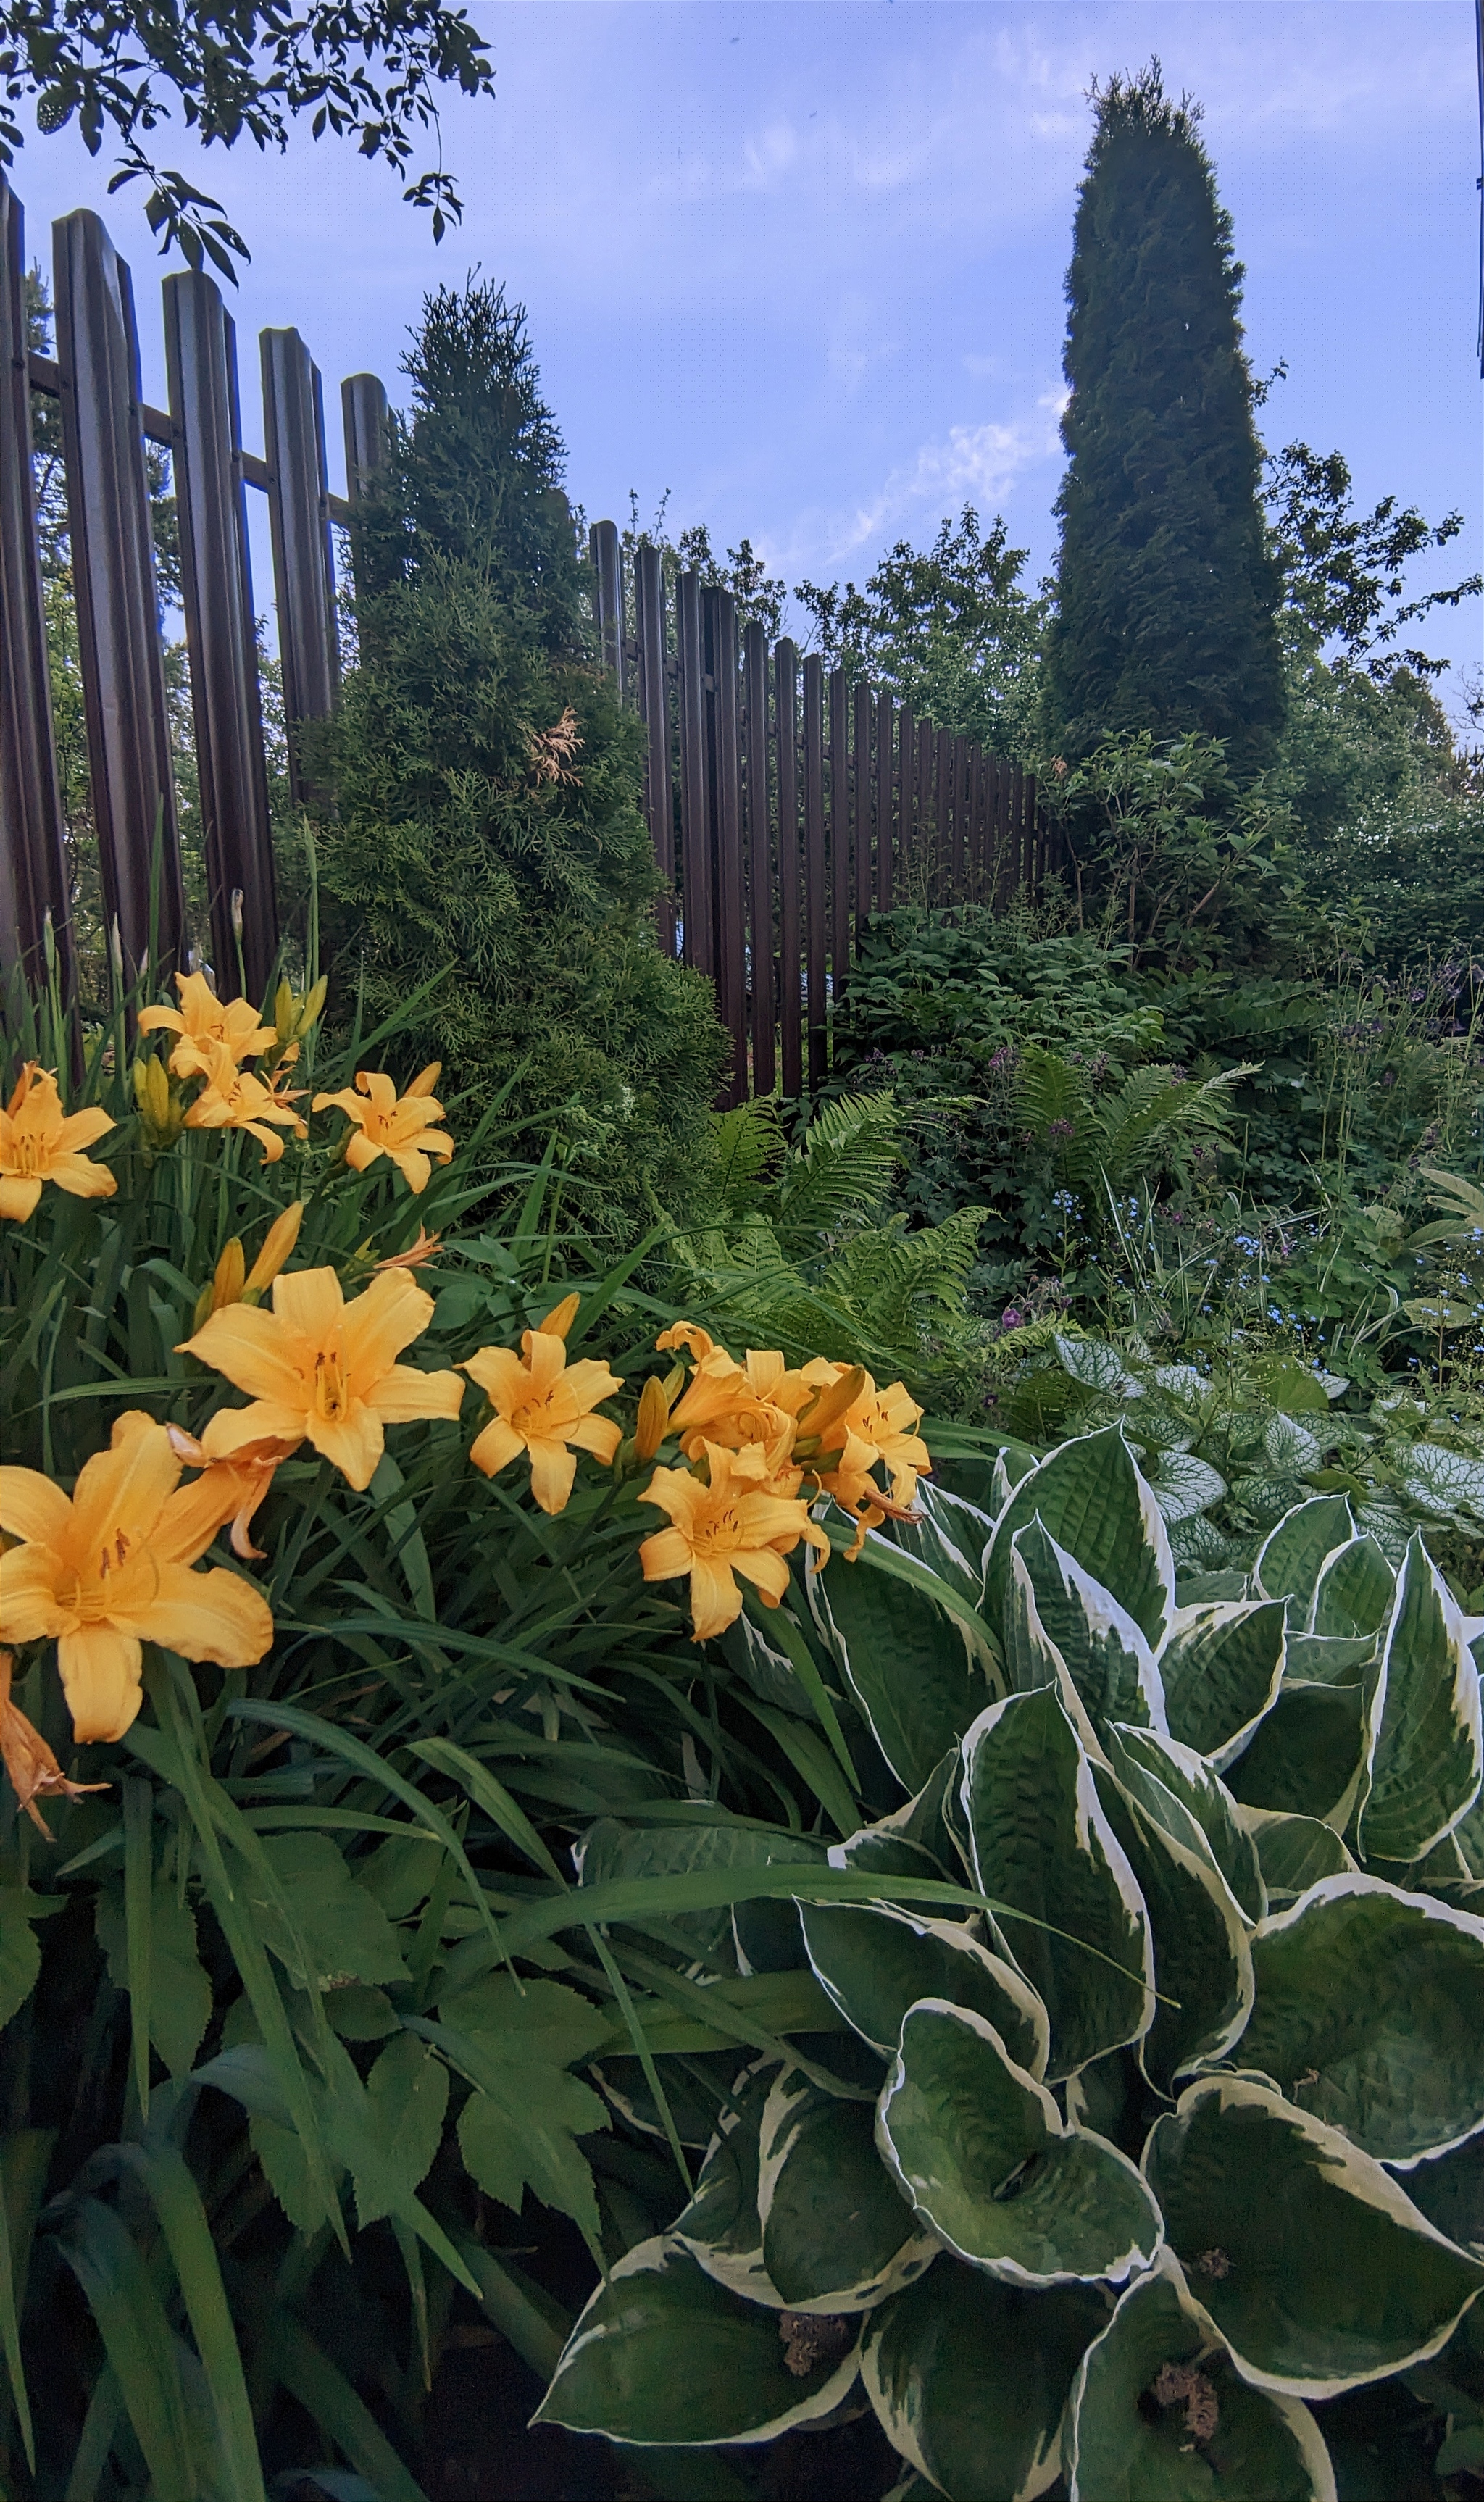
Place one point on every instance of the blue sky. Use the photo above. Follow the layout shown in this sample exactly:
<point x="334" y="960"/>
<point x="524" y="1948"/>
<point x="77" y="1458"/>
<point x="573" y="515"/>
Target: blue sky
<point x="801" y="261"/>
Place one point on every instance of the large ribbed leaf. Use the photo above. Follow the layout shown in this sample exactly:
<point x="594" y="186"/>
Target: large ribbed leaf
<point x="968" y="2377"/>
<point x="1178" y="1789"/>
<point x="950" y="1535"/>
<point x="1202" y="1962"/>
<point x="1294" y="1851"/>
<point x="1104" y="1653"/>
<point x="1092" y="1500"/>
<point x="1159" y="2415"/>
<point x="875" y="1962"/>
<point x="1371" y="2013"/>
<point x="1308" y="2259"/>
<point x="1423" y="1744"/>
<point x="836" y="2234"/>
<point x="1293" y="1556"/>
<point x="663" y="2354"/>
<point x="906" y="1661"/>
<point x="1353" y="1594"/>
<point x="1450" y="2191"/>
<point x="1043" y="1845"/>
<point x="1221" y="1668"/>
<point x="720" y="2227"/>
<point x="982" y="2151"/>
<point x="1305" y="1757"/>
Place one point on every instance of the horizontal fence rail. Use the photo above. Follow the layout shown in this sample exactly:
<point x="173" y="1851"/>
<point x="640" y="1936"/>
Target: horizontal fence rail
<point x="786" y="804"/>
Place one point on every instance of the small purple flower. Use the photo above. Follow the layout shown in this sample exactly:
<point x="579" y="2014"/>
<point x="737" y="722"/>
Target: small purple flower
<point x="1011" y="1317"/>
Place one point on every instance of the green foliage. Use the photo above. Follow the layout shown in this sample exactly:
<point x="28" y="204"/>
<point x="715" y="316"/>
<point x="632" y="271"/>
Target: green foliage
<point x="1166" y="592"/>
<point x="1196" y="2025"/>
<point x="485" y="836"/>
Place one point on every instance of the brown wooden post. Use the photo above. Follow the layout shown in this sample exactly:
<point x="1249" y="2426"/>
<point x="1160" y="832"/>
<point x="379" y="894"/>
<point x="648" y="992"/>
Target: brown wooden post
<point x="759" y="858"/>
<point x="1020" y="844"/>
<point x="786" y="720"/>
<point x="887" y="803"/>
<point x="1037" y="834"/>
<point x="960" y="801"/>
<point x="221" y="632"/>
<point x="925" y="833"/>
<point x="655" y="706"/>
<point x="698" y="890"/>
<point x="33" y="863"/>
<point x="906" y="803"/>
<point x="999" y="782"/>
<point x="303" y="560"/>
<point x="942" y="805"/>
<point x="364" y="416"/>
<point x="816" y="918"/>
<point x="608" y="596"/>
<point x="862" y="782"/>
<point x="839" y="840"/>
<point x="721" y="613"/>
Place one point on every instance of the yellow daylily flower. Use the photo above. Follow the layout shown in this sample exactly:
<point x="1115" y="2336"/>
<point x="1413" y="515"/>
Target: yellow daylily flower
<point x="34" y="1769"/>
<point x="39" y="1143"/>
<point x="543" y="1406"/>
<point x="396" y="1126"/>
<point x="233" y="1488"/>
<point x="234" y="1098"/>
<point x="320" y="1369"/>
<point x="737" y="1523"/>
<point x="202" y="1020"/>
<point x="731" y="1404"/>
<point x="108" y="1570"/>
<point x="874" y="1431"/>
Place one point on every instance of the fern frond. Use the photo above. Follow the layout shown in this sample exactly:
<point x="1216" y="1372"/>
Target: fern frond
<point x="840" y="1175"/>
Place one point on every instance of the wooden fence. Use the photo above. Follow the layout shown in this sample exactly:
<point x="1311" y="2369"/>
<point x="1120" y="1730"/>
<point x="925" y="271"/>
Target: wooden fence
<point x="784" y="804"/>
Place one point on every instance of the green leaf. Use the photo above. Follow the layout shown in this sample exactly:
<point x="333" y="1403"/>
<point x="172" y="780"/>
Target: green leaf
<point x="346" y="1933"/>
<point x="1355" y="1591"/>
<point x="1222" y="1668"/>
<point x="1329" y="1659"/>
<point x="981" y="2150"/>
<point x="289" y="2353"/>
<point x="1131" y="2437"/>
<point x="611" y="1852"/>
<point x="1309" y="2260"/>
<point x="836" y="2235"/>
<point x="1370" y="2014"/>
<point x="136" y="2335"/>
<point x="163" y="2171"/>
<point x="1202" y="1962"/>
<point x="538" y="2020"/>
<point x="950" y="1535"/>
<point x="875" y="1962"/>
<point x="407" y="2094"/>
<point x="1093" y="1500"/>
<point x="1177" y="1789"/>
<point x="721" y="2227"/>
<point x="1184" y="1485"/>
<point x="1097" y="1366"/>
<point x="520" y="2127"/>
<point x="1294" y="1851"/>
<point x="663" y="2353"/>
<point x="180" y="1991"/>
<point x="19" y="1953"/>
<point x="1449" y="2189"/>
<point x="968" y="2377"/>
<point x="1423" y="1742"/>
<point x="1105" y="1655"/>
<point x="906" y="1662"/>
<point x="1043" y="1845"/>
<point x="1293" y="1556"/>
<point x="1439" y="1480"/>
<point x="1305" y="1756"/>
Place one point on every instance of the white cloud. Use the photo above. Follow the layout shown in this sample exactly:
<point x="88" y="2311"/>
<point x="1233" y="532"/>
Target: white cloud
<point x="970" y="464"/>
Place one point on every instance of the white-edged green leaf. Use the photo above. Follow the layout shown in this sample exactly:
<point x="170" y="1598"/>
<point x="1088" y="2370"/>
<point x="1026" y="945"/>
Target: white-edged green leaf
<point x="836" y="2234"/>
<point x="1158" y="2414"/>
<point x="1102" y="1650"/>
<point x="663" y="2354"/>
<point x="612" y="1851"/>
<point x="1093" y="1500"/>
<point x="1450" y="2191"/>
<point x="968" y="2377"/>
<point x="1294" y="1554"/>
<point x="906" y="1661"/>
<point x="950" y="1535"/>
<point x="1369" y="2013"/>
<point x="1329" y="1659"/>
<point x="1423" y="1741"/>
<point x="1177" y="1787"/>
<point x="1304" y="1756"/>
<point x="721" y="2227"/>
<point x="1220" y="1668"/>
<point x="1308" y="2259"/>
<point x="1184" y="1485"/>
<point x="1354" y="1593"/>
<point x="913" y="1840"/>
<point x="1042" y="1845"/>
<point x="982" y="2151"/>
<point x="1290" y="1448"/>
<point x="1203" y="1961"/>
<point x="1294" y="1851"/>
<point x="875" y="1962"/>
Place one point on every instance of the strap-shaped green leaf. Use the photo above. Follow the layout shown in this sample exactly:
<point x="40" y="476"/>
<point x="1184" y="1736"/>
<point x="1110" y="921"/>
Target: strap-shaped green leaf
<point x="136" y="2335"/>
<point x="162" y="2171"/>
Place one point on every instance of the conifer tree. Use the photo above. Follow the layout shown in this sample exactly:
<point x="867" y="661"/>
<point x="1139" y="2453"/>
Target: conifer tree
<point x="486" y="830"/>
<point x="1167" y="596"/>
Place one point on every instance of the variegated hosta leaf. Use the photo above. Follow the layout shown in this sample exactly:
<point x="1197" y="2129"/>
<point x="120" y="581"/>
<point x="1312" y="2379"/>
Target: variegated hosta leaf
<point x="1309" y="2260"/>
<point x="836" y="2234"/>
<point x="913" y="1840"/>
<point x="664" y="2354"/>
<point x="906" y="1662"/>
<point x="1177" y="1787"/>
<point x="612" y="1849"/>
<point x="1101" y="1649"/>
<point x="1294" y="1851"/>
<point x="1371" y="2013"/>
<point x="950" y="1535"/>
<point x="1423" y="1741"/>
<point x="968" y="2377"/>
<point x="982" y="2151"/>
<point x="1355" y="1591"/>
<point x="1159" y="2415"/>
<point x="875" y="1962"/>
<point x="1042" y="1845"/>
<point x="1329" y="1659"/>
<point x="1202" y="1962"/>
<point x="1304" y="1758"/>
<point x="720" y="2227"/>
<point x="1295" y="1553"/>
<point x="1450" y="2191"/>
<point x="1220" y="1668"/>
<point x="1093" y="1500"/>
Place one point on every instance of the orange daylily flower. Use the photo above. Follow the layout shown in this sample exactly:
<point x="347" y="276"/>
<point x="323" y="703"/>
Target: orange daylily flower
<point x="396" y="1126"/>
<point x="203" y="1021"/>
<point x="234" y="1098"/>
<point x="874" y="1431"/>
<point x="736" y="1403"/>
<point x="34" y="1769"/>
<point x="39" y="1143"/>
<point x="108" y="1570"/>
<point x="737" y="1523"/>
<point x="542" y="1406"/>
<point x="320" y="1369"/>
<point x="236" y="1486"/>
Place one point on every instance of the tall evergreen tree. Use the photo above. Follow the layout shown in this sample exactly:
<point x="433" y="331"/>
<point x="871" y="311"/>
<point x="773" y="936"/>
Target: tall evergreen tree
<point x="1167" y="596"/>
<point x="486" y="830"/>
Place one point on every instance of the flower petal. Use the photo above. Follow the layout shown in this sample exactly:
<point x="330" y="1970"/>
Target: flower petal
<point x="715" y="1602"/>
<point x="360" y="1151"/>
<point x="19" y="1195"/>
<point x="208" y="1615"/>
<point x="589" y="1382"/>
<point x="81" y="1179"/>
<point x="404" y="1393"/>
<point x="495" y="1448"/>
<point x="766" y="1569"/>
<point x="598" y="1435"/>
<point x="28" y="1607"/>
<point x="499" y="1372"/>
<point x="125" y="1487"/>
<point x="80" y="1129"/>
<point x="354" y="1442"/>
<point x="250" y="1347"/>
<point x="309" y="1303"/>
<point x="391" y="1314"/>
<point x="32" y="1508"/>
<point x="267" y="1420"/>
<point x="665" y="1555"/>
<point x="552" y="1471"/>
<point x="413" y="1168"/>
<point x="99" y="1668"/>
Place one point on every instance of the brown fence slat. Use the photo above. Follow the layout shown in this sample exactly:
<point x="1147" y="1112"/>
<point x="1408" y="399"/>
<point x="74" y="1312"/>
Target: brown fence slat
<point x="655" y="706"/>
<point x="220" y="634"/>
<point x="862" y="786"/>
<point x="960" y="819"/>
<point x="697" y="888"/>
<point x="942" y="809"/>
<point x="1038" y="869"/>
<point x="721" y="610"/>
<point x="925" y="837"/>
<point x="905" y="845"/>
<point x="303" y="560"/>
<point x="786" y="742"/>
<point x="760" y="862"/>
<point x="33" y="864"/>
<point x="608" y="604"/>
<point x="117" y="605"/>
<point x="816" y="921"/>
<point x="839" y="838"/>
<point x="364" y="416"/>
<point x="887" y="819"/>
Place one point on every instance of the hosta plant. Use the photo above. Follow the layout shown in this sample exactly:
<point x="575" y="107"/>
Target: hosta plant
<point x="1154" y="2141"/>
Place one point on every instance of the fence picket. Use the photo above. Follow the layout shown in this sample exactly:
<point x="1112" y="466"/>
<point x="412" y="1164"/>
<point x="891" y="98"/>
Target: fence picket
<point x="363" y="416"/>
<point x="790" y="969"/>
<point x="696" y="898"/>
<point x="839" y="838"/>
<point x="654" y="704"/>
<point x="887" y="819"/>
<point x="815" y="923"/>
<point x="606" y="557"/>
<point x="726" y="778"/>
<point x="759" y="859"/>
<point x="303" y="560"/>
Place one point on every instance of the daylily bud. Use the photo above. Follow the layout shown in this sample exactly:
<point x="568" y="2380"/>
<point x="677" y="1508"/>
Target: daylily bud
<point x="673" y="1383"/>
<point x="654" y="1417"/>
<point x="230" y="1277"/>
<point x="276" y="1253"/>
<point x="161" y="1118"/>
<point x="560" y="1319"/>
<point x="425" y="1080"/>
<point x="293" y="1014"/>
<point x="237" y="914"/>
<point x="832" y="1402"/>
